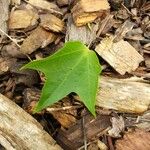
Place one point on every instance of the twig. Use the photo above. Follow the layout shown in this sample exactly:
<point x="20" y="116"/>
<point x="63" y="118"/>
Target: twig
<point x="62" y="108"/>
<point x="15" y="43"/>
<point x="84" y="133"/>
<point x="10" y="37"/>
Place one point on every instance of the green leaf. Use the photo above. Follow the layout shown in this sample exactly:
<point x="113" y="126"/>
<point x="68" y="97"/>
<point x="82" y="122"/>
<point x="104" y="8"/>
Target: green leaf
<point x="74" y="68"/>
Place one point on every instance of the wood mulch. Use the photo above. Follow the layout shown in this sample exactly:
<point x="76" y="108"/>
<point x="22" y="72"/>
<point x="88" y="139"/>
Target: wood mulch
<point x="118" y="31"/>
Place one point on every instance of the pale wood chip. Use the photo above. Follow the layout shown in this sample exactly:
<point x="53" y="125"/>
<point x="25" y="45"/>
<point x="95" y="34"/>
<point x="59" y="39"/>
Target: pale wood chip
<point x="125" y="95"/>
<point x="121" y="55"/>
<point x="21" y="19"/>
<point x="20" y="131"/>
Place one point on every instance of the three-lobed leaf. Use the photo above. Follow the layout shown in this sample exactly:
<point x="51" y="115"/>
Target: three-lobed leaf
<point x="73" y="68"/>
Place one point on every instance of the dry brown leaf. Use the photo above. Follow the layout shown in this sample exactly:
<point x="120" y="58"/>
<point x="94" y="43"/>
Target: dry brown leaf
<point x="51" y="22"/>
<point x="121" y="55"/>
<point x="20" y="19"/>
<point x="38" y="38"/>
<point x="137" y="140"/>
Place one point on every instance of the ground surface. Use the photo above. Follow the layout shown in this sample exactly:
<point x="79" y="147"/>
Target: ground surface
<point x="118" y="31"/>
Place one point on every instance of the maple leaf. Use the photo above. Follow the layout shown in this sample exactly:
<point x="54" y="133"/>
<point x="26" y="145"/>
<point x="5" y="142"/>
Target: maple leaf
<point x="73" y="68"/>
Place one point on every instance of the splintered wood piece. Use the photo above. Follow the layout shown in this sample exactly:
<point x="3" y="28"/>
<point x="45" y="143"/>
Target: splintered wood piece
<point x="135" y="140"/>
<point x="18" y="130"/>
<point x="45" y="5"/>
<point x="51" y="22"/>
<point x="4" y="11"/>
<point x="125" y="95"/>
<point x="83" y="33"/>
<point x="123" y="29"/>
<point x="73" y="137"/>
<point x="38" y="38"/>
<point x="121" y="55"/>
<point x="20" y="19"/>
<point x="106" y="24"/>
<point x="86" y="11"/>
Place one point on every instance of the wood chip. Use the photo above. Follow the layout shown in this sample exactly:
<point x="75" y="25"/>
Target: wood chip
<point x="83" y="33"/>
<point x="20" y="19"/>
<point x="45" y="5"/>
<point x="123" y="29"/>
<point x="118" y="94"/>
<point x="86" y="11"/>
<point x="5" y="64"/>
<point x="137" y="140"/>
<point x="20" y="130"/>
<point x="38" y="38"/>
<point x="121" y="55"/>
<point x="52" y="23"/>
<point x="65" y="117"/>
<point x="62" y="2"/>
<point x="66" y="120"/>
